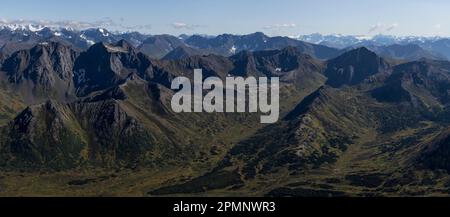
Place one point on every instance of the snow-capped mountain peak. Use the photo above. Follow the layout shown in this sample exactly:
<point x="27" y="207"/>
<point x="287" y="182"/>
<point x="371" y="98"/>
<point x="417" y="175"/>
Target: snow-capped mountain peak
<point x="22" y="27"/>
<point x="33" y="34"/>
<point x="343" y="41"/>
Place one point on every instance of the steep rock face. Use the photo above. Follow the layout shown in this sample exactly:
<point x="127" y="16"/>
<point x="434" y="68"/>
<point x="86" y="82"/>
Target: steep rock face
<point x="211" y="65"/>
<point x="182" y="52"/>
<point x="159" y="45"/>
<point x="318" y="51"/>
<point x="273" y="63"/>
<point x="106" y="65"/>
<point x="408" y="52"/>
<point x="353" y="67"/>
<point x="46" y="134"/>
<point x="115" y="138"/>
<point x="424" y="83"/>
<point x="42" y="72"/>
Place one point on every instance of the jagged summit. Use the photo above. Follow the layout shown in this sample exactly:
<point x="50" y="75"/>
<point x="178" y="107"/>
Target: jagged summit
<point x="42" y="72"/>
<point x="158" y="46"/>
<point x="182" y="52"/>
<point x="353" y="67"/>
<point x="124" y="44"/>
<point x="273" y="62"/>
<point x="121" y="46"/>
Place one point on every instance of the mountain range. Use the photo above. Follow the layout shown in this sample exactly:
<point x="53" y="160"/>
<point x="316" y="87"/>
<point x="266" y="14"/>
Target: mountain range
<point x="437" y="46"/>
<point x="93" y="117"/>
<point x="14" y="38"/>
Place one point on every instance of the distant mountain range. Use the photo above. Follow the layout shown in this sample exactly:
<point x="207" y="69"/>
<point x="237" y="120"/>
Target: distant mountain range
<point x="343" y="41"/>
<point x="14" y="38"/>
<point x="438" y="46"/>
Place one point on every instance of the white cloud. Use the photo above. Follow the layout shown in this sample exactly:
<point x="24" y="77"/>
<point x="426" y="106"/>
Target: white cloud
<point x="380" y="27"/>
<point x="375" y="27"/>
<point x="181" y="25"/>
<point x="280" y="26"/>
<point x="438" y="26"/>
<point x="391" y="27"/>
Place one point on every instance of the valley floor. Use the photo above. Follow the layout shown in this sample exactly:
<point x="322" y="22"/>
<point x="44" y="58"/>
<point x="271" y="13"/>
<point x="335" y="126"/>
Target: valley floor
<point x="361" y="171"/>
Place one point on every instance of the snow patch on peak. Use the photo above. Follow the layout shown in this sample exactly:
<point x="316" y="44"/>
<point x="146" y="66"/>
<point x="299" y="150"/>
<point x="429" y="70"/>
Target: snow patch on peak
<point x="90" y="42"/>
<point x="21" y="27"/>
<point x="35" y="28"/>
<point x="233" y="49"/>
<point x="104" y="32"/>
<point x="363" y="37"/>
<point x="115" y="49"/>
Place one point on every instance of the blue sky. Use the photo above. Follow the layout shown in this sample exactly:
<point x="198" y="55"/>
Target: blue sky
<point x="274" y="17"/>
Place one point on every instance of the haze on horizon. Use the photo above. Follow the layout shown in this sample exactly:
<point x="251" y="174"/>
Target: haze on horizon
<point x="213" y="17"/>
